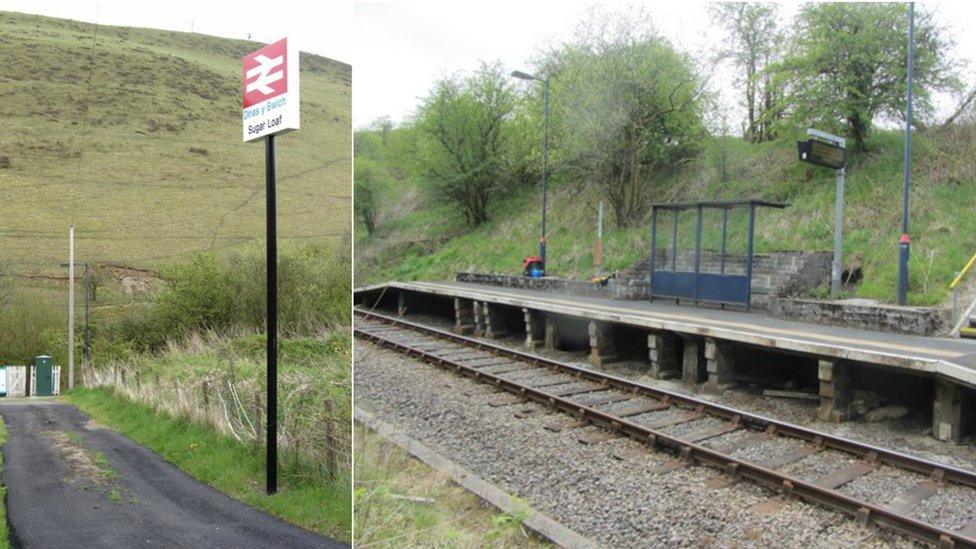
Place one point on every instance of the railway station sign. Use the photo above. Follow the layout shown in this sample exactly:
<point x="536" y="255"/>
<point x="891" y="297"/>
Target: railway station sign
<point x="823" y="149"/>
<point x="270" y="90"/>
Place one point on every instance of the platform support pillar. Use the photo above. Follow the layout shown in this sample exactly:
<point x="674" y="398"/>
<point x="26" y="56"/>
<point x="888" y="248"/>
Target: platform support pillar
<point x="401" y="303"/>
<point x="692" y="359"/>
<point x="835" y="390"/>
<point x="535" y="328"/>
<point x="478" y="309"/>
<point x="720" y="365"/>
<point x="463" y="316"/>
<point x="553" y="341"/>
<point x="947" y="411"/>
<point x="496" y="326"/>
<point x="602" y="349"/>
<point x="662" y="349"/>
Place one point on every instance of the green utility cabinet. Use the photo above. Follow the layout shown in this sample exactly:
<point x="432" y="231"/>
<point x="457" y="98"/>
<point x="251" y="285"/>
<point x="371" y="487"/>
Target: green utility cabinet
<point x="43" y="376"/>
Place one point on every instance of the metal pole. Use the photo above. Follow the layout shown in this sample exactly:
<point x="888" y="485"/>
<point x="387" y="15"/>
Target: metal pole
<point x="905" y="242"/>
<point x="87" y="351"/>
<point x="674" y="240"/>
<point x="598" y="251"/>
<point x="71" y="307"/>
<point x="545" y="172"/>
<point x="725" y="227"/>
<point x="749" y="252"/>
<point x="653" y="252"/>
<point x="698" y="236"/>
<point x="835" y="268"/>
<point x="271" y="458"/>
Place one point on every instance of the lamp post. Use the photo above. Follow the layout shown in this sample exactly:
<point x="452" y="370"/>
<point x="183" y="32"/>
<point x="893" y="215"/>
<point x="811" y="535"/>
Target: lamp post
<point x="545" y="156"/>
<point x="905" y="242"/>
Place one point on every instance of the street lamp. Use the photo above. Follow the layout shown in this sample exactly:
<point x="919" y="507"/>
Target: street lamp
<point x="545" y="156"/>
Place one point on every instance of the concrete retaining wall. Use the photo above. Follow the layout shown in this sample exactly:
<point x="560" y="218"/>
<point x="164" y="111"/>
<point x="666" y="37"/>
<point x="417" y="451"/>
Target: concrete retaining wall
<point x="861" y="314"/>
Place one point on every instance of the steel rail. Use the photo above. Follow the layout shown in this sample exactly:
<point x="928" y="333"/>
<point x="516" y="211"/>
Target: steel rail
<point x="787" y="484"/>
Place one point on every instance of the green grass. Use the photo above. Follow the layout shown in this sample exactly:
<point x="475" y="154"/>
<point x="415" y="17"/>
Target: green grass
<point x="4" y="533"/>
<point x="417" y="241"/>
<point x="401" y="502"/>
<point x="220" y="461"/>
<point x="142" y="150"/>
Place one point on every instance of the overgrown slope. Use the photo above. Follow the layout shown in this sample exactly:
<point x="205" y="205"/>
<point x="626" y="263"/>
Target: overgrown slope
<point x="417" y="238"/>
<point x="134" y="135"/>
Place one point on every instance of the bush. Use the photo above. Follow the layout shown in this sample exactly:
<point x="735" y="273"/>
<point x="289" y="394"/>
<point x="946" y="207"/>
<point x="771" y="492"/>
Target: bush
<point x="210" y="294"/>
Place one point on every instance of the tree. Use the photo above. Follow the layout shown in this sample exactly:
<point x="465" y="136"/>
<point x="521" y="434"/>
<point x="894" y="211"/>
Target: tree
<point x="752" y="46"/>
<point x="95" y="281"/>
<point x="847" y="66"/>
<point x="626" y="109"/>
<point x="365" y="201"/>
<point x="465" y="131"/>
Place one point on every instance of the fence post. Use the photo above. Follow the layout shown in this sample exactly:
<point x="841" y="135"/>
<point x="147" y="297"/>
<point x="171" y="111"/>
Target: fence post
<point x="205" y="387"/>
<point x="257" y="419"/>
<point x="331" y="457"/>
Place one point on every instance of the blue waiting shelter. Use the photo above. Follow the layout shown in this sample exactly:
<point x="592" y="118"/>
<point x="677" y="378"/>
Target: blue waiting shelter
<point x="690" y="281"/>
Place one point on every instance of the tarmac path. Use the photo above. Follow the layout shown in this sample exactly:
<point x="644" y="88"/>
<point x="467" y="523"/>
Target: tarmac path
<point x="61" y="492"/>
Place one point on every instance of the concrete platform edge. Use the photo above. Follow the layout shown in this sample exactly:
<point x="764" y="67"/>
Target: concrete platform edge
<point x="934" y="366"/>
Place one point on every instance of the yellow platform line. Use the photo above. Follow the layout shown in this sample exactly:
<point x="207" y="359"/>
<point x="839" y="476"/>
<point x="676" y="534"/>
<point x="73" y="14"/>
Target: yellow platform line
<point x="723" y="323"/>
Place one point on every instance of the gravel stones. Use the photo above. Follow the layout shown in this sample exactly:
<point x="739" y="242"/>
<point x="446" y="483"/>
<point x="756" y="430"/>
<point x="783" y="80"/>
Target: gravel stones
<point x="952" y="508"/>
<point x="881" y="485"/>
<point x="617" y="503"/>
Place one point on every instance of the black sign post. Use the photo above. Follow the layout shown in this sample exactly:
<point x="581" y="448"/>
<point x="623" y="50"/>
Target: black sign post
<point x="271" y="106"/>
<point x="271" y="460"/>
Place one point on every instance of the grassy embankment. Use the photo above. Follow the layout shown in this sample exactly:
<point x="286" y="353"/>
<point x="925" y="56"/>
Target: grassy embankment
<point x="4" y="534"/>
<point x="141" y="150"/>
<point x="310" y="370"/>
<point x="400" y="502"/>
<point x="419" y="239"/>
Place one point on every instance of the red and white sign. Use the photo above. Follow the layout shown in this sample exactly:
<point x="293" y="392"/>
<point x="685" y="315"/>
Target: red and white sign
<point x="270" y="90"/>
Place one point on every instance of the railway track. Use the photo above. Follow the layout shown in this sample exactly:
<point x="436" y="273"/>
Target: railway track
<point x="688" y="428"/>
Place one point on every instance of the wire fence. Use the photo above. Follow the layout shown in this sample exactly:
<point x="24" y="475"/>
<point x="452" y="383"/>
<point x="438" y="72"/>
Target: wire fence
<point x="311" y="427"/>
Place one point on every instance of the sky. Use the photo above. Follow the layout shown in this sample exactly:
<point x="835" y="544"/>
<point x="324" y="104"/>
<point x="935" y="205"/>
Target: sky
<point x="322" y="27"/>
<point x="403" y="46"/>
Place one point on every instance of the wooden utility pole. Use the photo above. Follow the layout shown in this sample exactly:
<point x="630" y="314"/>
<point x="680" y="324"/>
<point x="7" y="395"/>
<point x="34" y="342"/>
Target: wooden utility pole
<point x="71" y="307"/>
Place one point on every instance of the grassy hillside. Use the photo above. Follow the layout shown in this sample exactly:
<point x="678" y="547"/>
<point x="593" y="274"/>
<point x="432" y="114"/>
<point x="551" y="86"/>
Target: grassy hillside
<point x="134" y="135"/>
<point x="417" y="238"/>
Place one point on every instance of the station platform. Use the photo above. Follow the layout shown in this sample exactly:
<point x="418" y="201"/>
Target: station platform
<point x="947" y="358"/>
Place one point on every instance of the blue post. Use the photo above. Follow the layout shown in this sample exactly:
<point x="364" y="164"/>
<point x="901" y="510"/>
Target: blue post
<point x="905" y="242"/>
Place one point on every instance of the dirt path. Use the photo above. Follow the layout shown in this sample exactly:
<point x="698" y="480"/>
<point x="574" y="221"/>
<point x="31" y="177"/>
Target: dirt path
<point x="71" y="484"/>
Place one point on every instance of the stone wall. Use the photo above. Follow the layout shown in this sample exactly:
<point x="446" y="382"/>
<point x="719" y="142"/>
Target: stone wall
<point x="613" y="289"/>
<point x="773" y="274"/>
<point x="860" y="313"/>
